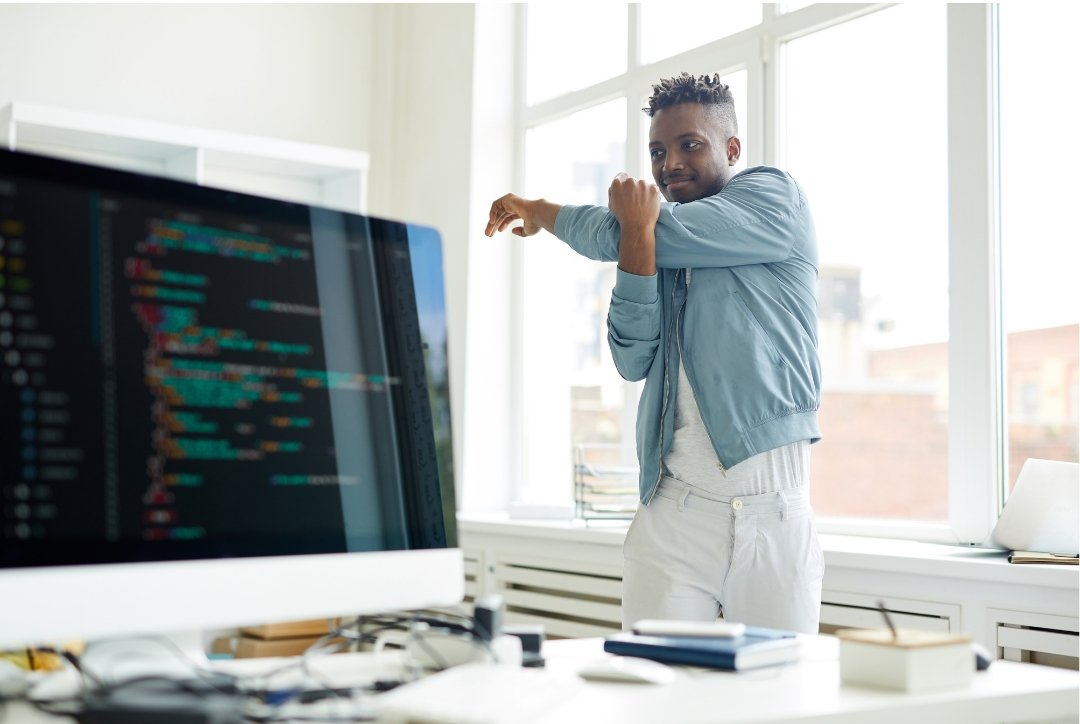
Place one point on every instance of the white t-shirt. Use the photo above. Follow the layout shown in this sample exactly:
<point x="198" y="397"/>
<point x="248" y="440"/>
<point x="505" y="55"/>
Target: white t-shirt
<point x="692" y="458"/>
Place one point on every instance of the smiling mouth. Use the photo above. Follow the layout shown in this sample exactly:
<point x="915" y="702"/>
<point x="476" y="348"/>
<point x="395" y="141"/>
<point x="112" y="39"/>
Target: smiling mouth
<point x="676" y="181"/>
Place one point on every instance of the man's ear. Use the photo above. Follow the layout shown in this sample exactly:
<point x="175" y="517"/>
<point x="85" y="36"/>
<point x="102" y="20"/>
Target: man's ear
<point x="734" y="150"/>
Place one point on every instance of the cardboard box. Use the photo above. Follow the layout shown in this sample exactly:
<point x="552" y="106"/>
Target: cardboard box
<point x="289" y="629"/>
<point x="912" y="661"/>
<point x="248" y="647"/>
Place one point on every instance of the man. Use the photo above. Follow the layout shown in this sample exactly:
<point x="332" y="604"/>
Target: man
<point x="714" y="306"/>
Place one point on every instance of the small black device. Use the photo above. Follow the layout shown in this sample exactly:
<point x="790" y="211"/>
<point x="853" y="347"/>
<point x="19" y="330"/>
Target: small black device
<point x="532" y="641"/>
<point x="982" y="657"/>
<point x="487" y="617"/>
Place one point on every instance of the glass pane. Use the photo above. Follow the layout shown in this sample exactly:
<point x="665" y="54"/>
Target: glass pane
<point x="564" y="55"/>
<point x="1040" y="254"/>
<point x="568" y="368"/>
<point x="866" y="130"/>
<point x="669" y="28"/>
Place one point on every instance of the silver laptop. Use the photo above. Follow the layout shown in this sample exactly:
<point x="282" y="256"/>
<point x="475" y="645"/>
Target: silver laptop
<point x="1043" y="511"/>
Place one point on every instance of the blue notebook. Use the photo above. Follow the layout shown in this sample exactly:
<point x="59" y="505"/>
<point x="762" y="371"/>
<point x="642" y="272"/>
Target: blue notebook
<point x="757" y="647"/>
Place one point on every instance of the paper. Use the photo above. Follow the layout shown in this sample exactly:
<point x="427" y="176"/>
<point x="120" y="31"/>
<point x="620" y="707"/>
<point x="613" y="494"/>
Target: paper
<point x="1036" y="557"/>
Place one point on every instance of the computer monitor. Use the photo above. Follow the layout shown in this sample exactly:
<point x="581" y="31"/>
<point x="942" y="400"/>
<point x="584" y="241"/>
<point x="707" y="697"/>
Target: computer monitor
<point x="216" y="409"/>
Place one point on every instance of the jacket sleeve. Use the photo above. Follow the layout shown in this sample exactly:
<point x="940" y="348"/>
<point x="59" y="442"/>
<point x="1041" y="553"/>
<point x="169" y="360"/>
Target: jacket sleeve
<point x="634" y="324"/>
<point x="755" y="219"/>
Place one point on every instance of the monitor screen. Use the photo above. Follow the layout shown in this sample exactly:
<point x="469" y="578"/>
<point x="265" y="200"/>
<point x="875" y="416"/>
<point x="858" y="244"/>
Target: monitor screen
<point x="190" y="374"/>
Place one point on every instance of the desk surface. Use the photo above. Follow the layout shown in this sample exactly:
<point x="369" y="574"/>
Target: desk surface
<point x="809" y="691"/>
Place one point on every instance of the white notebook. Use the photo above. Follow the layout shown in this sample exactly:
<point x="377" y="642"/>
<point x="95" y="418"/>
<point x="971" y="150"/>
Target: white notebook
<point x="1043" y="511"/>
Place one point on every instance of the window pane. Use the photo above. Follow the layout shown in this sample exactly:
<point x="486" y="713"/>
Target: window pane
<point x="866" y="134"/>
<point x="669" y="28"/>
<point x="1040" y="254"/>
<point x="567" y="365"/>
<point x="565" y="54"/>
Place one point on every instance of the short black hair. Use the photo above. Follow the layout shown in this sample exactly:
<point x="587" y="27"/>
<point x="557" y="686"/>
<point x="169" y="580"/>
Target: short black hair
<point x="703" y="89"/>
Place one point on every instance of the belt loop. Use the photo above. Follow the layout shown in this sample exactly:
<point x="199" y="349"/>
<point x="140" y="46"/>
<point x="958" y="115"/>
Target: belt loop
<point x="683" y="495"/>
<point x="783" y="505"/>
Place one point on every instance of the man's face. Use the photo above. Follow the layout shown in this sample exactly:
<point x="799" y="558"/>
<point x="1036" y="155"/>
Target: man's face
<point x="691" y="151"/>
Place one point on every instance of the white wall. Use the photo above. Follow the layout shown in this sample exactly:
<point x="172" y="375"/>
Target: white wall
<point x="393" y="80"/>
<point x="491" y="454"/>
<point x="445" y="147"/>
<point x="286" y="71"/>
<point x="421" y="150"/>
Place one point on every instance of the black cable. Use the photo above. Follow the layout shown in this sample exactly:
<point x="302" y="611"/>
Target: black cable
<point x="327" y="689"/>
<point x="440" y="662"/>
<point x="198" y="685"/>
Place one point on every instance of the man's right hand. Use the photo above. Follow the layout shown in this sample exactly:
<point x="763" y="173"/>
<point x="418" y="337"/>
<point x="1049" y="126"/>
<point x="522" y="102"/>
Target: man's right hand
<point x="535" y="215"/>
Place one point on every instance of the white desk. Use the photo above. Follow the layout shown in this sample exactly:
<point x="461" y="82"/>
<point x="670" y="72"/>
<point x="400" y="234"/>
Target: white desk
<point x="809" y="691"/>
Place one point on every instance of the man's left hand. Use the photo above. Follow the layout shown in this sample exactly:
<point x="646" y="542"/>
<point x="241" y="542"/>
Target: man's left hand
<point x="636" y="205"/>
<point x="634" y="202"/>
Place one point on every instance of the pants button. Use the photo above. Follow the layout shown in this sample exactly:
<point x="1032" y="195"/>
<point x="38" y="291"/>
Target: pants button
<point x="736" y="504"/>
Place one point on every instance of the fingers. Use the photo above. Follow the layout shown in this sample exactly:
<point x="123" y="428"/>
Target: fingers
<point x="619" y="181"/>
<point x="633" y="190"/>
<point x="502" y="220"/>
<point x="633" y="202"/>
<point x="500" y="216"/>
<point x="626" y="182"/>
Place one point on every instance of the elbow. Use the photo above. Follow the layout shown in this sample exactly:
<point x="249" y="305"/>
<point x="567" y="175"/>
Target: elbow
<point x="632" y="361"/>
<point x="629" y="374"/>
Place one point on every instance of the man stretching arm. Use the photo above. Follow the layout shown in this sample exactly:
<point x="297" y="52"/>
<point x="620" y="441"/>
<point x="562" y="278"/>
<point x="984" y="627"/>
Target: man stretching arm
<point x="714" y="307"/>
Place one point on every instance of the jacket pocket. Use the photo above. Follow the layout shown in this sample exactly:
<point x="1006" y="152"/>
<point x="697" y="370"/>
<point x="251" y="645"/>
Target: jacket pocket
<point x="770" y="347"/>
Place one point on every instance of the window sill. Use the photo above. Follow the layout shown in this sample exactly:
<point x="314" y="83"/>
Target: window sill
<point x="883" y="555"/>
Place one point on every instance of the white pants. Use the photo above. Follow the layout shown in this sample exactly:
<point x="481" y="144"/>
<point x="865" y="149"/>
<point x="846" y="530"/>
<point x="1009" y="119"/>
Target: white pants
<point x="755" y="559"/>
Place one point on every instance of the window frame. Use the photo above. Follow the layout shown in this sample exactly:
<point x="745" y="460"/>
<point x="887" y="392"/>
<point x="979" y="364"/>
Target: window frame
<point x="976" y="424"/>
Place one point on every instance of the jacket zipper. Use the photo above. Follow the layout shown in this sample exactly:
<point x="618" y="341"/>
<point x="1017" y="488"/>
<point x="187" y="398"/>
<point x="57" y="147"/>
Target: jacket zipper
<point x="667" y="385"/>
<point x="678" y="339"/>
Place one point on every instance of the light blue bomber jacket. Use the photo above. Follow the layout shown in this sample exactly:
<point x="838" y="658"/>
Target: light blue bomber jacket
<point x="735" y="289"/>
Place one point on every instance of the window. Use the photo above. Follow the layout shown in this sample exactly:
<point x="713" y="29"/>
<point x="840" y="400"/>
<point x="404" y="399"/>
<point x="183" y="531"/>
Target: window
<point x="670" y="28"/>
<point x="569" y="370"/>
<point x="1040" y="257"/>
<point x="867" y="141"/>
<point x="923" y="422"/>
<point x="566" y="56"/>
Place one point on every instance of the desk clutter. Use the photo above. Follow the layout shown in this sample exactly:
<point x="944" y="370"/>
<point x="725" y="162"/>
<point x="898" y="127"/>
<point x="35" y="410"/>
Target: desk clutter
<point x="403" y="648"/>
<point x="361" y="686"/>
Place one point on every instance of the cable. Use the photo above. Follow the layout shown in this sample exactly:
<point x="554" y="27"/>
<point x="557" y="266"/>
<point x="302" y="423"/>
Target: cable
<point x="255" y="692"/>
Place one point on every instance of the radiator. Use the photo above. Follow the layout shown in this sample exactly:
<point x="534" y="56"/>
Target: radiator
<point x="1037" y="638"/>
<point x="571" y="599"/>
